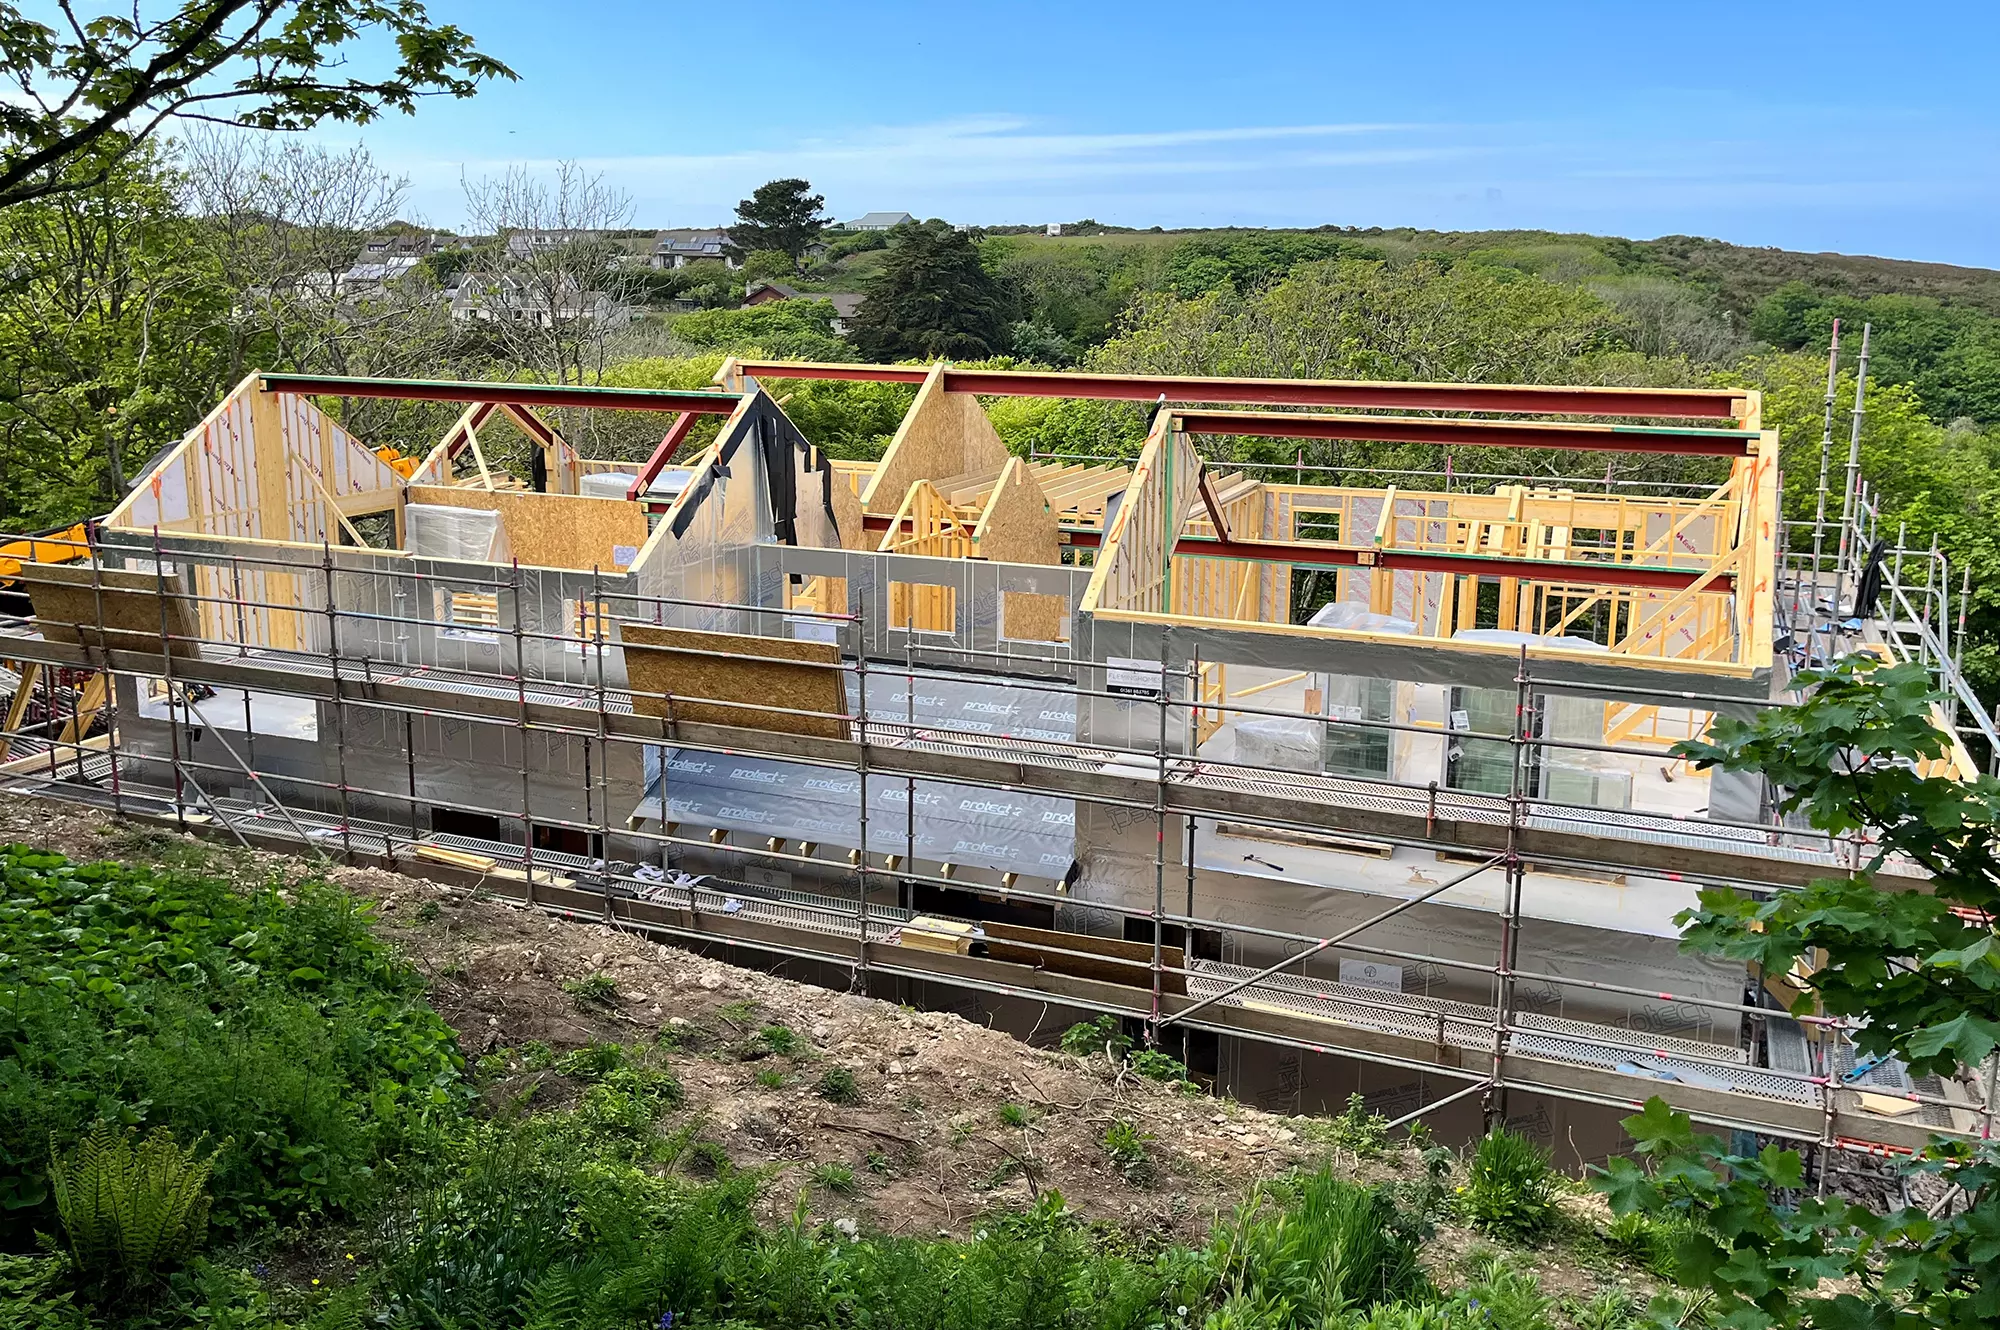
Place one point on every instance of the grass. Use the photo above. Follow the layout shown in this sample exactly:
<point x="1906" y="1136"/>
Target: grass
<point x="836" y="1178"/>
<point x="1510" y="1186"/>
<point x="771" y="1080"/>
<point x="608" y="1211"/>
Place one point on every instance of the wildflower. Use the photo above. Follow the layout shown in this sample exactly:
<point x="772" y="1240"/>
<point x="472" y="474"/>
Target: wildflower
<point x="260" y="1270"/>
<point x="350" y="1256"/>
<point x="315" y="1283"/>
<point x="666" y="1321"/>
<point x="1181" y="1310"/>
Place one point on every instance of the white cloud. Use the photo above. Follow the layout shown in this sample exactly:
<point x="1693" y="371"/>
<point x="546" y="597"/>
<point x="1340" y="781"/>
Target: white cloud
<point x="967" y="167"/>
<point x="1748" y="179"/>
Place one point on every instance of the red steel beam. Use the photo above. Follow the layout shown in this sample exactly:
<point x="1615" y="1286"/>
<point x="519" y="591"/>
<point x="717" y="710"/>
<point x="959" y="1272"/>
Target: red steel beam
<point x="1704" y="403"/>
<point x="676" y="434"/>
<point x="1475" y="433"/>
<point x="515" y="394"/>
<point x="1574" y="572"/>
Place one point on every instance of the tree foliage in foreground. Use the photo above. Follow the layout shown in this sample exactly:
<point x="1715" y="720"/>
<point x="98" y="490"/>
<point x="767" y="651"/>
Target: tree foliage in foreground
<point x="1921" y="968"/>
<point x="263" y="64"/>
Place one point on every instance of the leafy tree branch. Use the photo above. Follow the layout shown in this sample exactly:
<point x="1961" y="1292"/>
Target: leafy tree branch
<point x="262" y="64"/>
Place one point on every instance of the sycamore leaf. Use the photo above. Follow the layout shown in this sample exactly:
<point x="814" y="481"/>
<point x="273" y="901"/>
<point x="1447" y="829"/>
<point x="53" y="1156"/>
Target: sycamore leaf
<point x="1657" y="1128"/>
<point x="1847" y="1312"/>
<point x="1782" y="1168"/>
<point x="1625" y="1185"/>
<point x="1968" y="1038"/>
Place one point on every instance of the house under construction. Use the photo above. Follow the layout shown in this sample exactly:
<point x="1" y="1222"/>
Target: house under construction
<point x="1327" y="789"/>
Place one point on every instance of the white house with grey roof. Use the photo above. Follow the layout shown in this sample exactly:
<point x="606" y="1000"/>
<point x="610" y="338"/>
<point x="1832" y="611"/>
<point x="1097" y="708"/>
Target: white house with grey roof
<point x="878" y="221"/>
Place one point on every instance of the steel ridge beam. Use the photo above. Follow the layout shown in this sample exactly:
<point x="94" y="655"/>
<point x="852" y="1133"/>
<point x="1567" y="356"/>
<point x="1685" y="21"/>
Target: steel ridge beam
<point x="1570" y="572"/>
<point x="1475" y="433"/>
<point x="1702" y="403"/>
<point x="513" y="394"/>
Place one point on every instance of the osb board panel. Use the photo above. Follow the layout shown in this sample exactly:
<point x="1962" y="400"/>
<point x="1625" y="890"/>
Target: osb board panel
<point x="760" y="671"/>
<point x="1018" y="527"/>
<point x="554" y="530"/>
<point x="847" y="514"/>
<point x="129" y="618"/>
<point x="944" y="435"/>
<point x="1122" y="962"/>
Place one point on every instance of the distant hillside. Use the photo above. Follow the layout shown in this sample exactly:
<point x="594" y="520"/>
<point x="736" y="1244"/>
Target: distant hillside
<point x="1739" y="275"/>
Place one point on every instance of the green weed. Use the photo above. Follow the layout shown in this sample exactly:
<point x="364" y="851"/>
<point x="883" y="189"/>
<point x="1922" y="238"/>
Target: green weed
<point x="596" y="990"/>
<point x="836" y="1178"/>
<point x="1510" y="1186"/>
<point x="591" y="1062"/>
<point x="836" y="1085"/>
<point x="1126" y="1144"/>
<point x="271" y="1020"/>
<point x="771" y="1079"/>
<point x="781" y="1039"/>
<point x="1157" y="1066"/>
<point x="1089" y="1038"/>
<point x="1357" y="1129"/>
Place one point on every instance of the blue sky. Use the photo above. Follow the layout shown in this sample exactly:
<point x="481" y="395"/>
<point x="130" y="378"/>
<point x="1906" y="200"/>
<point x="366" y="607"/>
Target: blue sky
<point x="1864" y="129"/>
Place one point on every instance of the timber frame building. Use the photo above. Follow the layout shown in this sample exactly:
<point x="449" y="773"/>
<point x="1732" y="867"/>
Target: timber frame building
<point x="1327" y="789"/>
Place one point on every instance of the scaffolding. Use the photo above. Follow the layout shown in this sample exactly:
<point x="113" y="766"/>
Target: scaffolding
<point x="956" y="723"/>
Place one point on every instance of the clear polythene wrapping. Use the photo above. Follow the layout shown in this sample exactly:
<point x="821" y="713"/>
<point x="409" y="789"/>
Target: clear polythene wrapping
<point x="1004" y="830"/>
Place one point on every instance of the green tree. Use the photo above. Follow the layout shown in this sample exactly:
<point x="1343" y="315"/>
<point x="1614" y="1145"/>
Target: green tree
<point x="1363" y="318"/>
<point x="790" y="329"/>
<point x="781" y="215"/>
<point x="107" y="319"/>
<point x="1919" y="974"/>
<point x="769" y="265"/>
<point x="83" y="93"/>
<point x="1948" y="354"/>
<point x="934" y="299"/>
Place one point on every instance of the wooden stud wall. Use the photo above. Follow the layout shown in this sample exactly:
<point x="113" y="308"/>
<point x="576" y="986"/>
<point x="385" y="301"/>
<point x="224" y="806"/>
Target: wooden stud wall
<point x="267" y="467"/>
<point x="1134" y="566"/>
<point x="925" y="524"/>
